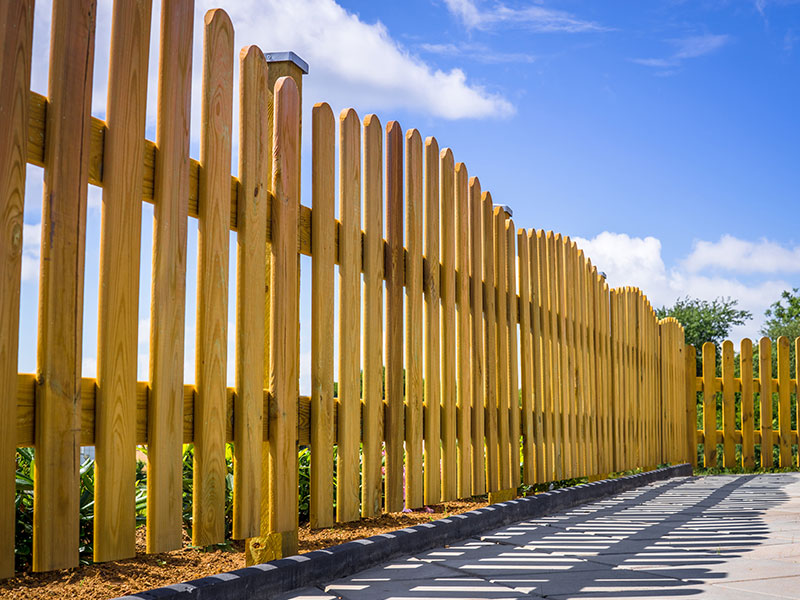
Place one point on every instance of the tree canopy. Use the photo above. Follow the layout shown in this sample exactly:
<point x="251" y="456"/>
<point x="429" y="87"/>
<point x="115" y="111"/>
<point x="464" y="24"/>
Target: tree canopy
<point x="783" y="316"/>
<point x="705" y="321"/>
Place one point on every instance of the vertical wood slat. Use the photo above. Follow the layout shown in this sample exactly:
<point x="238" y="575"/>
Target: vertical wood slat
<point x="168" y="296"/>
<point x="527" y="357"/>
<point x="565" y="376"/>
<point x="118" y="306"/>
<point x="349" y="423"/>
<point x="570" y="316"/>
<point x="372" y="483"/>
<point x="16" y="27"/>
<point x="690" y="396"/>
<point x="323" y="231"/>
<point x="501" y="351"/>
<point x="748" y="415"/>
<point x="432" y="358"/>
<point x="728" y="406"/>
<point x="255" y="166"/>
<point x="513" y="364"/>
<point x="490" y="393"/>
<point x="208" y="502"/>
<point x="284" y="351"/>
<point x="413" y="324"/>
<point x="463" y="332"/>
<point x="554" y="406"/>
<point x="538" y="343"/>
<point x="765" y="398"/>
<point x="394" y="267"/>
<point x="709" y="406"/>
<point x="66" y="173"/>
<point x="447" y="225"/>
<point x="784" y="406"/>
<point x="549" y="359"/>
<point x="478" y="355"/>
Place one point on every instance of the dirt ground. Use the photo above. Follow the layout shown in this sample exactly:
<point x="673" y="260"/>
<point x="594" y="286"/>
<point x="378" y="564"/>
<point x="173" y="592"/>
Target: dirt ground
<point x="147" y="571"/>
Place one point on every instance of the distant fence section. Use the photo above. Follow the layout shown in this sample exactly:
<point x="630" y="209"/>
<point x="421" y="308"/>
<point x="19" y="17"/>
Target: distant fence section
<point x="744" y="405"/>
<point x="473" y="356"/>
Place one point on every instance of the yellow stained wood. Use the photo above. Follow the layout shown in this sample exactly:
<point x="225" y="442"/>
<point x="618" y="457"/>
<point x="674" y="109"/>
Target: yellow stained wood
<point x="784" y="405"/>
<point x="463" y="332"/>
<point x="372" y="483"/>
<point x="347" y="493"/>
<point x="323" y="229"/>
<point x="284" y="351"/>
<point x="765" y="397"/>
<point x="66" y="159"/>
<point x="513" y="364"/>
<point x="555" y="388"/>
<point x="208" y="502"/>
<point x="478" y="354"/>
<point x="118" y="306"/>
<point x="432" y="365"/>
<point x="447" y="224"/>
<point x="490" y="393"/>
<point x="538" y="343"/>
<point x="566" y="380"/>
<point x="748" y="417"/>
<point x="168" y="295"/>
<point x="413" y="322"/>
<point x="728" y="406"/>
<point x="255" y="168"/>
<point x="501" y="351"/>
<point x="394" y="318"/>
<point x="709" y="404"/>
<point x="526" y="338"/>
<point x="690" y="395"/>
<point x="16" y="25"/>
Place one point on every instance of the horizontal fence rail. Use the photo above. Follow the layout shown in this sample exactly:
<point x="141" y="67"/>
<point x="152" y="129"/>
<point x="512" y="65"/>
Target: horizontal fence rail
<point x="473" y="356"/>
<point x="743" y="406"/>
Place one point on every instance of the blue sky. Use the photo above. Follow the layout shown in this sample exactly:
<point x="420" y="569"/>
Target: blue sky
<point x="661" y="134"/>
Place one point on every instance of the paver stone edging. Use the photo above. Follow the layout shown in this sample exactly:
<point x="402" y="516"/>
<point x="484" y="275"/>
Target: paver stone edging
<point x="275" y="577"/>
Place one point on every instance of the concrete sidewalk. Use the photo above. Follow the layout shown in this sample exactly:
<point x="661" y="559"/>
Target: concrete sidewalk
<point x="724" y="536"/>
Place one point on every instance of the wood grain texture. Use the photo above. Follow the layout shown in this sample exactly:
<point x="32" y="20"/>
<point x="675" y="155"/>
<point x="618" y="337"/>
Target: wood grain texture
<point x="463" y="332"/>
<point x="432" y="341"/>
<point x="284" y="354"/>
<point x="208" y="503"/>
<point x="394" y="270"/>
<point x="765" y="390"/>
<point x="16" y="26"/>
<point x="447" y="331"/>
<point x="347" y="493"/>
<point x="490" y="391"/>
<point x="690" y="396"/>
<point x="372" y="481"/>
<point x="168" y="287"/>
<point x="748" y="413"/>
<point x="728" y="406"/>
<point x="118" y="294"/>
<point x="58" y="370"/>
<point x="255" y="168"/>
<point x="784" y="404"/>
<point x="563" y="377"/>
<point x="501" y="362"/>
<point x="413" y="317"/>
<point x="513" y="359"/>
<point x="539" y="348"/>
<point x="550" y="345"/>
<point x="709" y="404"/>
<point x="478" y="353"/>
<point x="526" y="359"/>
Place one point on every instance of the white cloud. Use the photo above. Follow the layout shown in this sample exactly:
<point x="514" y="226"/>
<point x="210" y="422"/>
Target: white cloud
<point x="31" y="245"/>
<point x="734" y="254"/>
<point x="686" y="48"/>
<point x="535" y="18"/>
<point x="635" y="261"/>
<point x="478" y="53"/>
<point x="353" y="63"/>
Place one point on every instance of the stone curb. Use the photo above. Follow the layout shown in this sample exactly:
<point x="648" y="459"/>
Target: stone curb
<point x="278" y="576"/>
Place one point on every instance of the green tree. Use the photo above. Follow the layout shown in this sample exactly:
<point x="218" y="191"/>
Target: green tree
<point x="705" y="321"/>
<point x="783" y="319"/>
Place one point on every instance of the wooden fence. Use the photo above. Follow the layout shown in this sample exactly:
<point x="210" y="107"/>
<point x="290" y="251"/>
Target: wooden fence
<point x="474" y="355"/>
<point x="735" y="403"/>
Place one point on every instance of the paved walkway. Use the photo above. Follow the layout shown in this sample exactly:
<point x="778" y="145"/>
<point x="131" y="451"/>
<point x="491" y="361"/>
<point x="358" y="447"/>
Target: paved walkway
<point x="720" y="537"/>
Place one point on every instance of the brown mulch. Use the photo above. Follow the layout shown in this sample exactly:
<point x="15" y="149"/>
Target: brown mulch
<point x="147" y="571"/>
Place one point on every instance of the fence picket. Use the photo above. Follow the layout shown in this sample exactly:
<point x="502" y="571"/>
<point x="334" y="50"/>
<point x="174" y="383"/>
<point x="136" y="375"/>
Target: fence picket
<point x="478" y="357"/>
<point x="502" y="363"/>
<point x="513" y="359"/>
<point x="490" y="393"/>
<point x="16" y="25"/>
<point x="784" y="406"/>
<point x="538" y="349"/>
<point x="372" y="484"/>
<point x="349" y="423"/>
<point x="527" y="358"/>
<point x="728" y="407"/>
<point x="748" y="416"/>
<point x="432" y="367"/>
<point x="765" y="398"/>
<point x="323" y="230"/>
<point x="448" y="325"/>
<point x="463" y="332"/>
